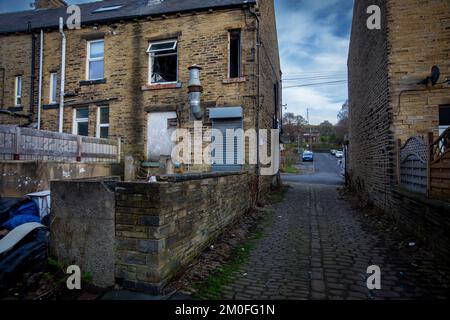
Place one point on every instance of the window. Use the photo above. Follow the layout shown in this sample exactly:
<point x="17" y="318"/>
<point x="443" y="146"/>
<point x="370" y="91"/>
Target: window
<point x="53" y="87"/>
<point x="276" y="102"/>
<point x="163" y="62"/>
<point x="103" y="122"/>
<point x="109" y="8"/>
<point x="18" y="91"/>
<point x="95" y="60"/>
<point x="444" y="118"/>
<point x="234" y="54"/>
<point x="81" y="121"/>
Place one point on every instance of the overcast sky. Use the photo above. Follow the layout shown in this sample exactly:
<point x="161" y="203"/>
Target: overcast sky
<point x="314" y="38"/>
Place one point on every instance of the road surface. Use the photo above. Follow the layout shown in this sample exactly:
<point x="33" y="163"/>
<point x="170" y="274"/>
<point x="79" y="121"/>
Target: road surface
<point x="320" y="245"/>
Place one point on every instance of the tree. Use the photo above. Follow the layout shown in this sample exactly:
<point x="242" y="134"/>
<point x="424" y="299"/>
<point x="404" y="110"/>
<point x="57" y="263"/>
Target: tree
<point x="293" y="126"/>
<point x="342" y="127"/>
<point x="326" y="128"/>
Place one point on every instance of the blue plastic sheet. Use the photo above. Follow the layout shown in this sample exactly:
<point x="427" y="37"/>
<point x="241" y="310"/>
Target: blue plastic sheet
<point x="28" y="211"/>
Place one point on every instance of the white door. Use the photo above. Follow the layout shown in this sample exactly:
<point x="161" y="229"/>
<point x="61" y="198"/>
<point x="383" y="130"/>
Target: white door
<point x="160" y="127"/>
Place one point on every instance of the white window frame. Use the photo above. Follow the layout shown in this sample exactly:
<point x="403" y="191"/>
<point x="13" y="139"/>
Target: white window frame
<point x="240" y="54"/>
<point x="107" y="8"/>
<point x="89" y="59"/>
<point x="17" y="92"/>
<point x="151" y="56"/>
<point x="101" y="125"/>
<point x="78" y="120"/>
<point x="53" y="88"/>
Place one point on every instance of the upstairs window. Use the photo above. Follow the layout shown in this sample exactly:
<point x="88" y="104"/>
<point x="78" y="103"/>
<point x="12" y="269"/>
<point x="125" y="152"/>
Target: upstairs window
<point x="103" y="122"/>
<point x="18" y="91"/>
<point x="95" y="60"/>
<point x="81" y="121"/>
<point x="163" y="62"/>
<point x="234" y="56"/>
<point x="108" y="8"/>
<point x="53" y="87"/>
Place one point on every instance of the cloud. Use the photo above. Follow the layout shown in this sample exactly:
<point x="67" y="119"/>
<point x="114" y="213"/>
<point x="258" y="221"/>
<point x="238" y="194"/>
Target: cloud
<point x="314" y="39"/>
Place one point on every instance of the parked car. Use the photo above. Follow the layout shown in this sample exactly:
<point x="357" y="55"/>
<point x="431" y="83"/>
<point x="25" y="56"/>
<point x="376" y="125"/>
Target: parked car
<point x="308" y="156"/>
<point x="339" y="154"/>
<point x="333" y="152"/>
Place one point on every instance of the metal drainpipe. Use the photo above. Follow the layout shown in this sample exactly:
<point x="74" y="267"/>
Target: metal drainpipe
<point x="41" y="52"/>
<point x="63" y="71"/>
<point x="195" y="91"/>
<point x="258" y="98"/>
<point x="32" y="77"/>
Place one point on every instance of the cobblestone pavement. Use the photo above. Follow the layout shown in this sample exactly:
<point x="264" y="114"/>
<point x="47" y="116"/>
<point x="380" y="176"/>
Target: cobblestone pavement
<point x="319" y="247"/>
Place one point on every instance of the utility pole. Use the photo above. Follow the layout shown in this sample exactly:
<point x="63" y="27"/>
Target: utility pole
<point x="310" y="132"/>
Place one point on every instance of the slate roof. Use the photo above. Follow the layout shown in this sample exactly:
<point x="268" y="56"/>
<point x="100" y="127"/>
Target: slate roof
<point x="49" y="18"/>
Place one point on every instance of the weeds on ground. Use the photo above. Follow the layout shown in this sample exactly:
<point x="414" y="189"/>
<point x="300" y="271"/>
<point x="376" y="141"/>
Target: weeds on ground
<point x="212" y="289"/>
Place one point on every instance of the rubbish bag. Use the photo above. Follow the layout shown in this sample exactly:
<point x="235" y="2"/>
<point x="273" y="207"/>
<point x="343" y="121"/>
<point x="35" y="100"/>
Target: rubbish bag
<point x="30" y="254"/>
<point x="6" y="206"/>
<point x="19" y="220"/>
<point x="23" y="212"/>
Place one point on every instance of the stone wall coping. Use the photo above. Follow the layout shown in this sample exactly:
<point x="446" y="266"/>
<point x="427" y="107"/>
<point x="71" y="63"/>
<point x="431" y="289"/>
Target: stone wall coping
<point x="196" y="176"/>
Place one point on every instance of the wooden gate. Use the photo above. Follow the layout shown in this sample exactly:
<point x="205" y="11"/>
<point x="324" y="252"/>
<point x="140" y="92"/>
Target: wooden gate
<point x="440" y="167"/>
<point x="412" y="161"/>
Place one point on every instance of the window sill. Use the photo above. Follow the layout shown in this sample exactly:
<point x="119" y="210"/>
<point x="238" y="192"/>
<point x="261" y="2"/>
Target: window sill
<point x="92" y="82"/>
<point x="162" y="86"/>
<point x="15" y="109"/>
<point x="234" y="80"/>
<point x="50" y="106"/>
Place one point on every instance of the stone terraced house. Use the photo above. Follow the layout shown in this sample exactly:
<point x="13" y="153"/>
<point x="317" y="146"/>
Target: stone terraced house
<point x="126" y="69"/>
<point x="398" y="105"/>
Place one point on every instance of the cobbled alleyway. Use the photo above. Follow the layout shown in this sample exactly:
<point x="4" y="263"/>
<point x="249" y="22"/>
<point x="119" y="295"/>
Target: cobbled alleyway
<point x="319" y="246"/>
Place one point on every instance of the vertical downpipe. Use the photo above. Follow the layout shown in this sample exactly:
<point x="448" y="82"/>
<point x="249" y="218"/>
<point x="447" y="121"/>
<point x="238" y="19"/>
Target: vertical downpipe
<point x="258" y="102"/>
<point x="41" y="52"/>
<point x="63" y="73"/>
<point x="32" y="76"/>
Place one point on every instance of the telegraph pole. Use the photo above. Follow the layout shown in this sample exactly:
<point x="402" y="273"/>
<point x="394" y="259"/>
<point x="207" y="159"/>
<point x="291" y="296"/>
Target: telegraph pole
<point x="310" y="132"/>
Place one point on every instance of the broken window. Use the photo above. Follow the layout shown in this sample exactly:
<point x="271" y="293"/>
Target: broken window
<point x="103" y="122"/>
<point x="163" y="61"/>
<point x="96" y="60"/>
<point x="81" y="121"/>
<point x="235" y="54"/>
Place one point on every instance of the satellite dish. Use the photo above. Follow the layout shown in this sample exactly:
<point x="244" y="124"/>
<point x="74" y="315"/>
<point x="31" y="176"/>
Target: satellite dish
<point x="435" y="74"/>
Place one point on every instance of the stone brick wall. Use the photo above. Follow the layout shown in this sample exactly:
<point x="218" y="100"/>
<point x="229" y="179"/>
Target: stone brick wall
<point x="202" y="39"/>
<point x="419" y="37"/>
<point x="385" y="65"/>
<point x="415" y="35"/>
<point x="161" y="227"/>
<point x="371" y="150"/>
<point x="15" y="60"/>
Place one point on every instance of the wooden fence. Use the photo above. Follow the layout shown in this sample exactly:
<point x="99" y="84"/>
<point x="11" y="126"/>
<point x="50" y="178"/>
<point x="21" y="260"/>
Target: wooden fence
<point x="29" y="144"/>
<point x="439" y="168"/>
<point x="412" y="160"/>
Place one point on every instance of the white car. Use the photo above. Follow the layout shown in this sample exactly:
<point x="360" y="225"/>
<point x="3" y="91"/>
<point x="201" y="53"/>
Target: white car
<point x="339" y="154"/>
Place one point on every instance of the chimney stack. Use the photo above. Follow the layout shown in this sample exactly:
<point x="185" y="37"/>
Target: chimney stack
<point x="49" y="4"/>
